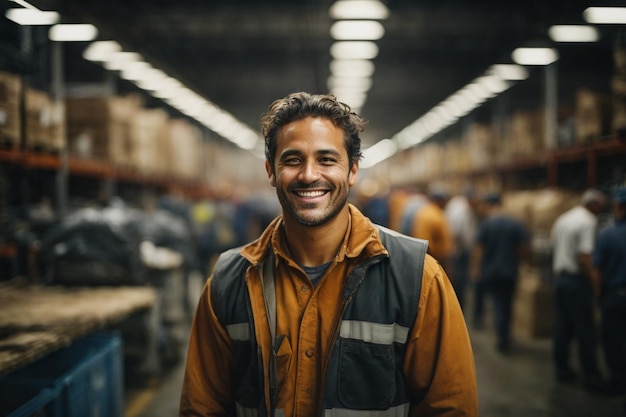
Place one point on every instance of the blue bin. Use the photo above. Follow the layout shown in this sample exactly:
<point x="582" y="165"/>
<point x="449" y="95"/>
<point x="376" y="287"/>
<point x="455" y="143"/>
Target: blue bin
<point x="88" y="376"/>
<point x="28" y="402"/>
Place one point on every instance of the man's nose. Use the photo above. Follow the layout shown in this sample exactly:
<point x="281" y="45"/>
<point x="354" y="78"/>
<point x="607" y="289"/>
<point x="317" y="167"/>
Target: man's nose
<point x="309" y="172"/>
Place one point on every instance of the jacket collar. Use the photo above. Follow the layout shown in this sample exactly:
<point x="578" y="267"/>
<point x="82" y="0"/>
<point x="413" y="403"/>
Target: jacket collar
<point x="361" y="240"/>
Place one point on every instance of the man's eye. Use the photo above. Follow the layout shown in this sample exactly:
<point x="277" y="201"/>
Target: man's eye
<point x="291" y="161"/>
<point x="327" y="160"/>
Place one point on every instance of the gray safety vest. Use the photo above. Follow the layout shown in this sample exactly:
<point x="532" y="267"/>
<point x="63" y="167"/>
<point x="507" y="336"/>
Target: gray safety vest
<point x="364" y="375"/>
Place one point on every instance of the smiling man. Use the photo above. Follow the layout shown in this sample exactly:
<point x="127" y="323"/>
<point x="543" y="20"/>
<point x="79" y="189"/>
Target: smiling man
<point x="326" y="314"/>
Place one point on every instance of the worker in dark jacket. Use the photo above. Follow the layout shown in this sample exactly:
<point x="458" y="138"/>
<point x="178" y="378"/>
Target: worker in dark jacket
<point x="326" y="313"/>
<point x="502" y="244"/>
<point x="609" y="272"/>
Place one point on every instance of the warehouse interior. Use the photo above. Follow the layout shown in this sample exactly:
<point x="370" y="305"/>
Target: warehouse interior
<point x="117" y="190"/>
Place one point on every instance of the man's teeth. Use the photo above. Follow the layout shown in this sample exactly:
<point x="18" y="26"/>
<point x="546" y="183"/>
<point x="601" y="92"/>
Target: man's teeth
<point x="310" y="194"/>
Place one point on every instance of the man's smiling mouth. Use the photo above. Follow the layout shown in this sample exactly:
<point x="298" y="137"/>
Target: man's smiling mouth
<point x="310" y="194"/>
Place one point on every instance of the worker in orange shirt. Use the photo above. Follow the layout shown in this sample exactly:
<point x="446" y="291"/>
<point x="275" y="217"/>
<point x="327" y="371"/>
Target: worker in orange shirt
<point x="430" y="223"/>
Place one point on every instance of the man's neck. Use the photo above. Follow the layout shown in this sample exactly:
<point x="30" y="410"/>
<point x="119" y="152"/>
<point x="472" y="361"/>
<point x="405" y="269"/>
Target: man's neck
<point x="313" y="246"/>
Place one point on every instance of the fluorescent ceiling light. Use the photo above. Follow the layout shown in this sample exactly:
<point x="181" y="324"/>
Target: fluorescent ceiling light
<point x="246" y="138"/>
<point x="511" y="72"/>
<point x="352" y="67"/>
<point x="101" y="51"/>
<point x="476" y="92"/>
<point x="605" y="15"/>
<point x="72" y="32"/>
<point x="493" y="83"/>
<point x="365" y="30"/>
<point x="358" y="9"/>
<point x="168" y="88"/>
<point x="135" y="71"/>
<point x="120" y="60"/>
<point x="151" y="79"/>
<point x="573" y="33"/>
<point x="411" y="135"/>
<point x="32" y="17"/>
<point x="378" y="152"/>
<point x="444" y="112"/>
<point x="458" y="104"/>
<point x="354" y="50"/>
<point x="354" y="83"/>
<point x="151" y="85"/>
<point x="350" y="97"/>
<point x="535" y="56"/>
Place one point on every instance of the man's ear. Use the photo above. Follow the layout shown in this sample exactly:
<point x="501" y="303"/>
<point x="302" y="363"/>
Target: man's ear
<point x="270" y="173"/>
<point x="353" y="175"/>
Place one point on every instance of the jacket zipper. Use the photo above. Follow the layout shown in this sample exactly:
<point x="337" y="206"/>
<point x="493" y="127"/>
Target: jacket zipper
<point x="336" y="331"/>
<point x="346" y="301"/>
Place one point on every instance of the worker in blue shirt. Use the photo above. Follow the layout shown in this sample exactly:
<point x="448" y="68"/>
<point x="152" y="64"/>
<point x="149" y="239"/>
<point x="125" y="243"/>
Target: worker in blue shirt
<point x="609" y="274"/>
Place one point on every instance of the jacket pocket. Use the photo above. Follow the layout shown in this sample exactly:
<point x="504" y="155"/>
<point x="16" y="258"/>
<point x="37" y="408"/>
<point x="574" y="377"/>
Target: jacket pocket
<point x="366" y="375"/>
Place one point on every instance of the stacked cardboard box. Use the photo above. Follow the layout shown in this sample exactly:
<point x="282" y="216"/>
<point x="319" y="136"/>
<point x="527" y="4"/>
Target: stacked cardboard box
<point x="456" y="158"/>
<point x="10" y="115"/>
<point x="593" y="115"/>
<point x="44" y="128"/>
<point x="99" y="127"/>
<point x="524" y="134"/>
<point x="538" y="209"/>
<point x="148" y="142"/>
<point x="185" y="149"/>
<point x="618" y="86"/>
<point x="480" y="143"/>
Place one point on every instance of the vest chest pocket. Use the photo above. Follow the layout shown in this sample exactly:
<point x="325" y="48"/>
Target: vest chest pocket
<point x="366" y="377"/>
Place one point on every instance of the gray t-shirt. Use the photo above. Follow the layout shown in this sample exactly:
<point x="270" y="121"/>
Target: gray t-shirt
<point x="315" y="273"/>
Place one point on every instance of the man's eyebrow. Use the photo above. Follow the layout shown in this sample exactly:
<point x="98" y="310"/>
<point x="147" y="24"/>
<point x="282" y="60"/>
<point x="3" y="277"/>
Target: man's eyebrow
<point x="329" y="152"/>
<point x="294" y="152"/>
<point x="290" y="152"/>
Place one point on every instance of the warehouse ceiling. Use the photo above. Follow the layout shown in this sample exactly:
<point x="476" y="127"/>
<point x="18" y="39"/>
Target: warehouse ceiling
<point x="242" y="54"/>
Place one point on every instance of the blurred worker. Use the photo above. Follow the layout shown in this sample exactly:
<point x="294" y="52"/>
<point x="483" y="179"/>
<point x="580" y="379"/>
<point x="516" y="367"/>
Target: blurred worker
<point x="460" y="212"/>
<point x="609" y="268"/>
<point x="398" y="199"/>
<point x="326" y="313"/>
<point x="429" y="222"/>
<point x="573" y="237"/>
<point x="502" y="243"/>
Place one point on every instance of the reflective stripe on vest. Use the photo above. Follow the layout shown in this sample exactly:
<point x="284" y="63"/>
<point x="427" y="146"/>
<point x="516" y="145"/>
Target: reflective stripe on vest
<point x="239" y="332"/>
<point x="383" y="334"/>
<point x="399" y="411"/>
<point x="253" y="412"/>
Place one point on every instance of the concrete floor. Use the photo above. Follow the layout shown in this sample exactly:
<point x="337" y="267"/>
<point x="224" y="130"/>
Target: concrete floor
<point x="520" y="384"/>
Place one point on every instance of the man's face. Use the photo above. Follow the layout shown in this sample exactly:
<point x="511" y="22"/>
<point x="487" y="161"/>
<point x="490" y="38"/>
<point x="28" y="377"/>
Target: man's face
<point x="313" y="174"/>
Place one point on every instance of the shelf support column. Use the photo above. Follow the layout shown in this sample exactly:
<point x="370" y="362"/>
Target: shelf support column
<point x="58" y="96"/>
<point x="551" y="106"/>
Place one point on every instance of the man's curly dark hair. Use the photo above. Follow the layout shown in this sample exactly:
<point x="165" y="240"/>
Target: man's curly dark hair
<point x="299" y="105"/>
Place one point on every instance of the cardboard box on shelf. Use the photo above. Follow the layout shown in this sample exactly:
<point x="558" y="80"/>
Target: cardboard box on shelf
<point x="525" y="133"/>
<point x="10" y="113"/>
<point x="592" y="116"/>
<point x="148" y="143"/>
<point x="185" y="150"/>
<point x="480" y="145"/>
<point x="44" y="123"/>
<point x="99" y="127"/>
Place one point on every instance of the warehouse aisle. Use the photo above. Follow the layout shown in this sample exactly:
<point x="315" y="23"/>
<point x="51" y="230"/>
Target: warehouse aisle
<point x="519" y="384"/>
